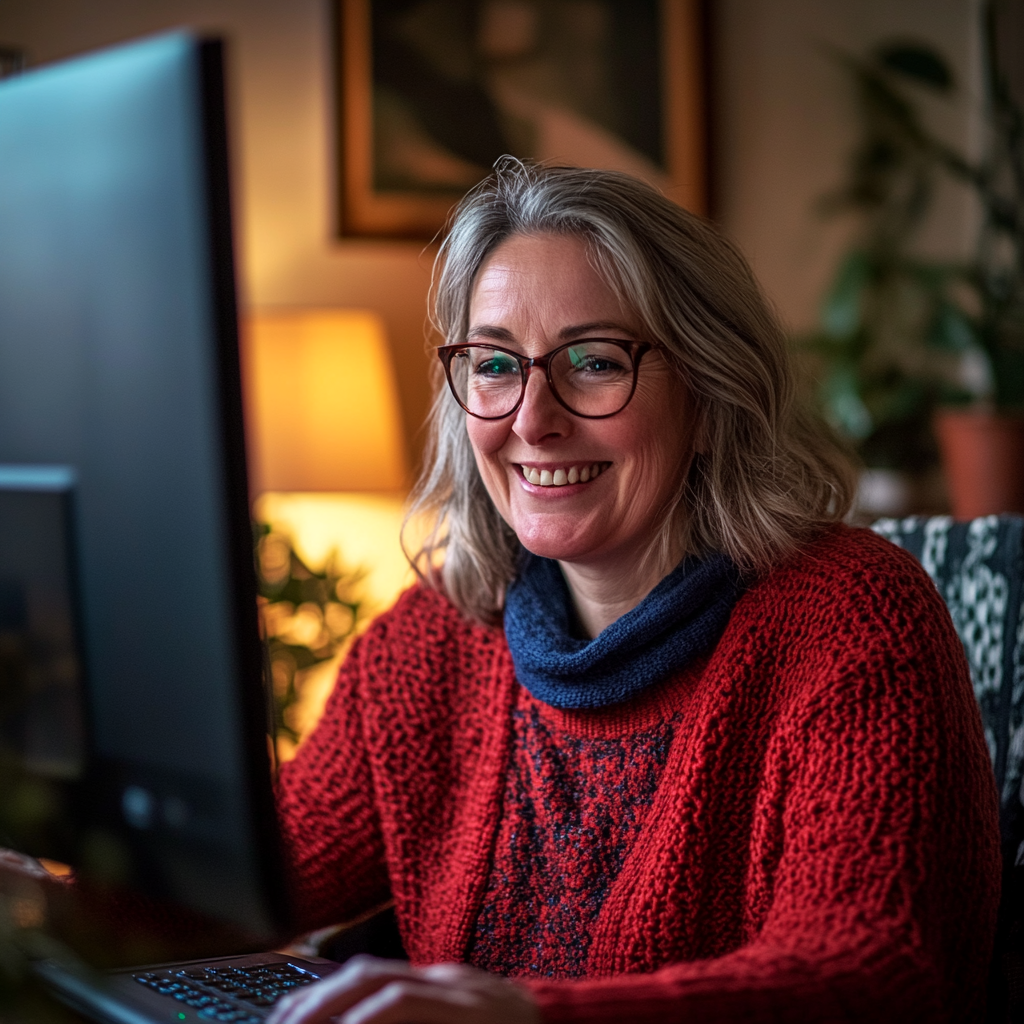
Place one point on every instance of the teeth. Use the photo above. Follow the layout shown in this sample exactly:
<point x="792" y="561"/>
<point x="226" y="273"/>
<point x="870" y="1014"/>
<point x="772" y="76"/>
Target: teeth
<point x="561" y="477"/>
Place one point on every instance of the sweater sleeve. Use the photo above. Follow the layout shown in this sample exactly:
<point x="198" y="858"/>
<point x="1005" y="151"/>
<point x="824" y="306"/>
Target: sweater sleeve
<point x="329" y="823"/>
<point x="884" y="886"/>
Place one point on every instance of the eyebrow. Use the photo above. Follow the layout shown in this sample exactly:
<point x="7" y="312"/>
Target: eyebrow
<point x="565" y="334"/>
<point x="487" y="331"/>
<point x="568" y="333"/>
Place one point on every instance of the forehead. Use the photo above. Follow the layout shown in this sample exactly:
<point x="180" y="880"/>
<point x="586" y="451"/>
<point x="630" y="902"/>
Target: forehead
<point x="547" y="276"/>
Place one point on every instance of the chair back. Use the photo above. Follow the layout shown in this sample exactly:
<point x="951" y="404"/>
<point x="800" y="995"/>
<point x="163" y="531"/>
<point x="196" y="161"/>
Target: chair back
<point x="978" y="568"/>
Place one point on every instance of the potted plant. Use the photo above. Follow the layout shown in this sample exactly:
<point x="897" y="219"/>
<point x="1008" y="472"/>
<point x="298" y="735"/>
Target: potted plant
<point x="906" y="343"/>
<point x="983" y="444"/>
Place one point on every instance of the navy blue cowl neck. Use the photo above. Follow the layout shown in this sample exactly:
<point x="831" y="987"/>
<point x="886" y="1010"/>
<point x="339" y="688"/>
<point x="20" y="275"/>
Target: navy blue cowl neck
<point x="681" y="618"/>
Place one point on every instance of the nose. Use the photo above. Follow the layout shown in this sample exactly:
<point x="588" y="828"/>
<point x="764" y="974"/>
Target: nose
<point x="540" y="416"/>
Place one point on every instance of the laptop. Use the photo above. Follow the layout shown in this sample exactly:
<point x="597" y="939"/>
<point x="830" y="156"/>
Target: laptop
<point x="241" y="989"/>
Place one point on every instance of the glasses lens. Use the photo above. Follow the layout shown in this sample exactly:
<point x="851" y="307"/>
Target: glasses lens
<point x="486" y="381"/>
<point x="593" y="378"/>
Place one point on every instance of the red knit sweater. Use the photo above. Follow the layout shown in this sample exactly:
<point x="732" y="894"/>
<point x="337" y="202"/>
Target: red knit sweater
<point x="822" y="843"/>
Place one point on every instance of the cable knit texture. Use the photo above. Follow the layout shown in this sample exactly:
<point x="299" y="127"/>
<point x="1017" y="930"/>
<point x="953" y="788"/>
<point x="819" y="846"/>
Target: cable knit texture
<point x="682" y="617"/>
<point x="573" y="806"/>
<point x="821" y="842"/>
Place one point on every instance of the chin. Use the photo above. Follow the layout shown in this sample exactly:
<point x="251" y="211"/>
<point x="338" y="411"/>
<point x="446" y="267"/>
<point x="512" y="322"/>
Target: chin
<point x="561" y="545"/>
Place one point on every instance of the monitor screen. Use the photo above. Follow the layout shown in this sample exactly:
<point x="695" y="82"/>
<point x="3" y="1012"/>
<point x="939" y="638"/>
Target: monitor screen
<point x="132" y="711"/>
<point x="42" y="710"/>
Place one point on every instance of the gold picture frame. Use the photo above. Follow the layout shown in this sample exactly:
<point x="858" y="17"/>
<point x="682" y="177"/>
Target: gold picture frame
<point x="373" y="125"/>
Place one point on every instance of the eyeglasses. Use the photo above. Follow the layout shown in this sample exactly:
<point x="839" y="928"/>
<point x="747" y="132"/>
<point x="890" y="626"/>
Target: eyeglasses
<point x="593" y="378"/>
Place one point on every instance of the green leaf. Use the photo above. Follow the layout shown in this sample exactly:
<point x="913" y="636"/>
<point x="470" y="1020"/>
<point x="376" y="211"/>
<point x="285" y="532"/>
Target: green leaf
<point x="332" y="585"/>
<point x="921" y="63"/>
<point x="841" y="313"/>
<point x="1008" y="367"/>
<point x="843" y="404"/>
<point x="951" y="329"/>
<point x="898" y="399"/>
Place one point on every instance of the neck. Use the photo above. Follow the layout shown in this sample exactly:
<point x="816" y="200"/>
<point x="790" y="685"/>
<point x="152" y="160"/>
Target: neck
<point x="602" y="594"/>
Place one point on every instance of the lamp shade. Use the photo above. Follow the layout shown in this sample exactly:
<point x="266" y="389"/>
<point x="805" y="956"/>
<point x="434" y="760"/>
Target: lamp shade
<point x="322" y="405"/>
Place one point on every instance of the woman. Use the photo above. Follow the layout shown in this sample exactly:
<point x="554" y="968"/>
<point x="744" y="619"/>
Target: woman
<point x="658" y="738"/>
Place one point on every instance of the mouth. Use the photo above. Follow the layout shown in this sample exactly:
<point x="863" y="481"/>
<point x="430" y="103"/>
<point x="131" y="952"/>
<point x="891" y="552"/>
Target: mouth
<point x="562" y="475"/>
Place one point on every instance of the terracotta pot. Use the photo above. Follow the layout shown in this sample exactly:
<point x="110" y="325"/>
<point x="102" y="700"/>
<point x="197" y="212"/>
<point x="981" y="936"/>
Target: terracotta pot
<point x="983" y="456"/>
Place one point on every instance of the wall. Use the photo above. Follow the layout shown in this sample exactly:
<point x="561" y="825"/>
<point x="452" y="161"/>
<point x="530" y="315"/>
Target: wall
<point x="784" y="118"/>
<point x="783" y="126"/>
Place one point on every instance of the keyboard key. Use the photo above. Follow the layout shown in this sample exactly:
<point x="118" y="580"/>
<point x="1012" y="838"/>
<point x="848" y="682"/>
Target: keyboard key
<point x="212" y="991"/>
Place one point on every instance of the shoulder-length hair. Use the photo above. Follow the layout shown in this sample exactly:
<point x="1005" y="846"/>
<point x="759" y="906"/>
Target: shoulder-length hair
<point x="767" y="474"/>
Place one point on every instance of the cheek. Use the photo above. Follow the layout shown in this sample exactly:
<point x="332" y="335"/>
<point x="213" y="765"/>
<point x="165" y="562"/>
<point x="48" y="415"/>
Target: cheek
<point x="487" y="440"/>
<point x="659" y="430"/>
<point x="661" y="446"/>
<point x="669" y="413"/>
<point x="486" y="437"/>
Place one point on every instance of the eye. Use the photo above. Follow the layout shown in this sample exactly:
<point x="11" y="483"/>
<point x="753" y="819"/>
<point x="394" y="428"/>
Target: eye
<point x="597" y="358"/>
<point x="494" y="364"/>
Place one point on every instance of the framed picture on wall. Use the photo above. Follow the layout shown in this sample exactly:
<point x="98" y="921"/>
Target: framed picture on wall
<point x="432" y="92"/>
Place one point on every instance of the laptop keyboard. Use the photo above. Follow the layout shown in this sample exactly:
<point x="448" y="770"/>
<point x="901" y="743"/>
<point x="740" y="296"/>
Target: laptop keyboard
<point x="234" y="994"/>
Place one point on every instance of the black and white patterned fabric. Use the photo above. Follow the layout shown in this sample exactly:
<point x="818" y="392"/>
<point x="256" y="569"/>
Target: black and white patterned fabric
<point x="978" y="567"/>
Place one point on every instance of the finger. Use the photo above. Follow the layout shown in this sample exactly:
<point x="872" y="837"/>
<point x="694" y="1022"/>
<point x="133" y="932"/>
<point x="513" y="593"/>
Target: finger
<point x="360" y="977"/>
<point x="502" y="999"/>
<point x="461" y="974"/>
<point x="23" y="865"/>
<point x="411" y="1002"/>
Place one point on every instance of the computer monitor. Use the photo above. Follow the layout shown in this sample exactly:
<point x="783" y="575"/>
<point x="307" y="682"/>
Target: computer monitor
<point x="133" y="725"/>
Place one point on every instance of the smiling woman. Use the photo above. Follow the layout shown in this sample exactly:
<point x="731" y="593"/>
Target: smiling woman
<point x="537" y="259"/>
<point x="619" y="425"/>
<point x="656" y="737"/>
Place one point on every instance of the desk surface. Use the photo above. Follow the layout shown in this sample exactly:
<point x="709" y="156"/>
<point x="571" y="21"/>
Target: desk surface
<point x="38" y="1007"/>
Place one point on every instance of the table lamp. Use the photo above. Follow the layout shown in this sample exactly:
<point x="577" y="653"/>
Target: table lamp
<point x="327" y="457"/>
<point x="322" y="402"/>
<point x="328" y="464"/>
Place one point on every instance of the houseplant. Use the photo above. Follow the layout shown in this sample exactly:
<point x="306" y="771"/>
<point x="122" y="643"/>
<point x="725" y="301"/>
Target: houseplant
<point x="901" y="336"/>
<point x="305" y="616"/>
<point x="983" y="445"/>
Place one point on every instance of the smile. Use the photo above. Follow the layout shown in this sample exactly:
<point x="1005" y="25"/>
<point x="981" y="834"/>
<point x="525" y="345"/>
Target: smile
<point x="562" y="476"/>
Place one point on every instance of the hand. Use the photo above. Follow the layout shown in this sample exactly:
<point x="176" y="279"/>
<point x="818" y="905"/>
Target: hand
<point x="18" y="865"/>
<point x="27" y="889"/>
<point x="372" y="991"/>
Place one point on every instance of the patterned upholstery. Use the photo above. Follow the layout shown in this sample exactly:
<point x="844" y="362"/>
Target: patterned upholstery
<point x="978" y="567"/>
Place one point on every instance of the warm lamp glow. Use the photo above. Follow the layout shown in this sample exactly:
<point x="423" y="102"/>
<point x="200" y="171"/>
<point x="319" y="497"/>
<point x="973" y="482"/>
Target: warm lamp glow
<point x="321" y="402"/>
<point x="362" y="528"/>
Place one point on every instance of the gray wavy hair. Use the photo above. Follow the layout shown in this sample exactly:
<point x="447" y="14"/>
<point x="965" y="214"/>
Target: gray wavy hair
<point x="768" y="474"/>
